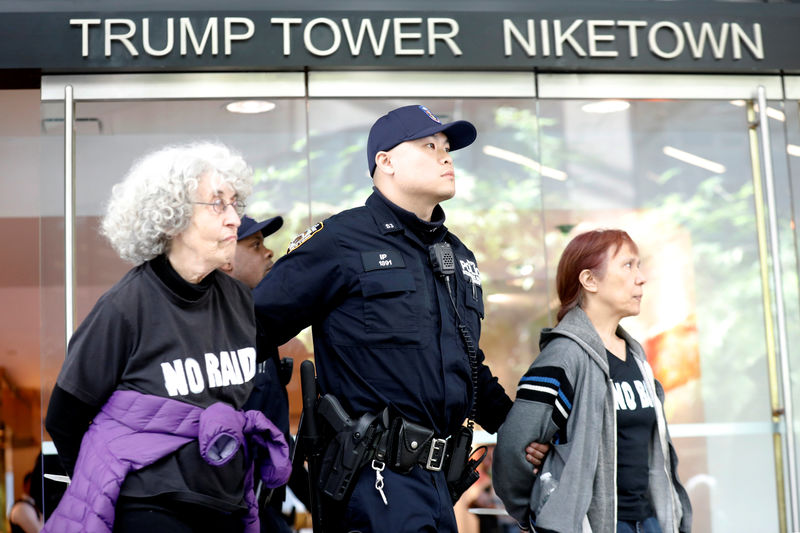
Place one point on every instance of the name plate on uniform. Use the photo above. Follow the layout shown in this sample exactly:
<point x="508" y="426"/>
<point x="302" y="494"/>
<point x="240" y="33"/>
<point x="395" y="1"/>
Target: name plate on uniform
<point x="381" y="260"/>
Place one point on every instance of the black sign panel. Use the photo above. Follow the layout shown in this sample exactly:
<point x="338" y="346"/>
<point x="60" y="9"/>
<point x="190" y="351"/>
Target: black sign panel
<point x="612" y="37"/>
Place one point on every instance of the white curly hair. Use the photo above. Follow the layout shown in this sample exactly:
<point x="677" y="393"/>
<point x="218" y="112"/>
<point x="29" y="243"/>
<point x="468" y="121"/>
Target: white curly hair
<point x="152" y="204"/>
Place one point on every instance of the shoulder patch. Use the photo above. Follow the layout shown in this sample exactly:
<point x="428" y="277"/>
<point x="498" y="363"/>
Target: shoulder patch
<point x="303" y="237"/>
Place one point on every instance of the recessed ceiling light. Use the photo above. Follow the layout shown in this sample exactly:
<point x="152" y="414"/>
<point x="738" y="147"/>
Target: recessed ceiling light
<point x="524" y="161"/>
<point x="793" y="149"/>
<point x="775" y="114"/>
<point x="696" y="160"/>
<point x="250" y="106"/>
<point x="606" y="106"/>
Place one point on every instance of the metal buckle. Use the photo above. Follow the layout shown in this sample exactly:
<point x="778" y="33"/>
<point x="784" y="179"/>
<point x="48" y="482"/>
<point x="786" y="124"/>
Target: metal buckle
<point x="436" y="455"/>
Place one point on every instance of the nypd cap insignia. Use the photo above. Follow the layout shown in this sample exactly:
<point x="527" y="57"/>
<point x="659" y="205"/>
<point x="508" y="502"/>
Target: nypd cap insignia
<point x="430" y="115"/>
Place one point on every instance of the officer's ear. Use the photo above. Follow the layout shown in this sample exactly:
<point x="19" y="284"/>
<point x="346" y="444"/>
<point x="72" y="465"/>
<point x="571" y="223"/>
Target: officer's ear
<point x="383" y="162"/>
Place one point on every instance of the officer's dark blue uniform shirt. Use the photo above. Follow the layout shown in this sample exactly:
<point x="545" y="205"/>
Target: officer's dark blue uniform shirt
<point x="384" y="328"/>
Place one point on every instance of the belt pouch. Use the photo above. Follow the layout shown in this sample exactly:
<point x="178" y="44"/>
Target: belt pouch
<point x="408" y="443"/>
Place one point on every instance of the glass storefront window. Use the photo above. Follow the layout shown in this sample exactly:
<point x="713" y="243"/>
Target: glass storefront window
<point x="676" y="174"/>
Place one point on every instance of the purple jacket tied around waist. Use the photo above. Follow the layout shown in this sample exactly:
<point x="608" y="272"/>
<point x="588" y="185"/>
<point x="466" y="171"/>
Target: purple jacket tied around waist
<point x="134" y="430"/>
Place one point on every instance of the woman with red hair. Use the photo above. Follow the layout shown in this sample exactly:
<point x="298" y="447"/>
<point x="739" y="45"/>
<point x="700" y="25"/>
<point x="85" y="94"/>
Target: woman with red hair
<point x="592" y="395"/>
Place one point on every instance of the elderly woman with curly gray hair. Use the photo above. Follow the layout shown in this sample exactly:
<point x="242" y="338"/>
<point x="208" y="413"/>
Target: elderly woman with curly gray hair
<point x="146" y="411"/>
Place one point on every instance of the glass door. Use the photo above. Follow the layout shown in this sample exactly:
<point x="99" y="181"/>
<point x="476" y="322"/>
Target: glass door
<point x="309" y="156"/>
<point x="670" y="159"/>
<point x="677" y="162"/>
<point x="114" y="121"/>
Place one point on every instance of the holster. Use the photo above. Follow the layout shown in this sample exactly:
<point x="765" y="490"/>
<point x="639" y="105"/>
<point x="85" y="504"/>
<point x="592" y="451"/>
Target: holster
<point x="350" y="446"/>
<point x="462" y="470"/>
<point x="407" y="442"/>
<point x="343" y="459"/>
<point x="460" y="446"/>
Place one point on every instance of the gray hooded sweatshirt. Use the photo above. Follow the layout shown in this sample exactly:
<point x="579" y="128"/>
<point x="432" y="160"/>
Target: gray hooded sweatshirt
<point x="567" y="398"/>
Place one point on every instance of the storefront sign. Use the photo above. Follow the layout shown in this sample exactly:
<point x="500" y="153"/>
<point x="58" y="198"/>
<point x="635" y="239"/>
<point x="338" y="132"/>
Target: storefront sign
<point x="737" y="38"/>
<point x="416" y="36"/>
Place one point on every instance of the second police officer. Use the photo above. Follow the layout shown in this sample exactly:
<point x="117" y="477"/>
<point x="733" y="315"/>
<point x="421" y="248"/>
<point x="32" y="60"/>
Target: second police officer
<point x="252" y="261"/>
<point x="395" y="301"/>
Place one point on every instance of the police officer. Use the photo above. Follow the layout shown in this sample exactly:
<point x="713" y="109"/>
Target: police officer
<point x="385" y="323"/>
<point x="252" y="261"/>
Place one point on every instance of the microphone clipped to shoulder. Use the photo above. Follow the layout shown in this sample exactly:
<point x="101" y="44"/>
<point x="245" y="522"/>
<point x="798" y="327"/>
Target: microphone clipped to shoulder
<point x="442" y="259"/>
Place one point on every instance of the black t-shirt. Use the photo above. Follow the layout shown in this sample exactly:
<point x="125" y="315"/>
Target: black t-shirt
<point x="155" y="333"/>
<point x="636" y="418"/>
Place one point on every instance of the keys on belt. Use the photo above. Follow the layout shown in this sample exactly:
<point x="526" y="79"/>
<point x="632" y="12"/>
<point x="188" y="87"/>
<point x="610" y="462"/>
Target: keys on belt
<point x="433" y="460"/>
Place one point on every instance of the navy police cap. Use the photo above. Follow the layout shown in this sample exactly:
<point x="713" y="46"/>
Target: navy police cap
<point x="414" y="122"/>
<point x="249" y="226"/>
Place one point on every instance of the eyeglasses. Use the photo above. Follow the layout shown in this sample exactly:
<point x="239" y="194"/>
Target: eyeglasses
<point x="219" y="206"/>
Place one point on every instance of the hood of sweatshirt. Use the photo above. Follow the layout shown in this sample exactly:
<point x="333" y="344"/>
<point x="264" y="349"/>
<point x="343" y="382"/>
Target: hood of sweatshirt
<point x="576" y="326"/>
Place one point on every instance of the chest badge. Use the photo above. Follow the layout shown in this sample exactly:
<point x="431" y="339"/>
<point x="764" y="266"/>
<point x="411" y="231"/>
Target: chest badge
<point x="382" y="259"/>
<point x="303" y="237"/>
<point x="470" y="271"/>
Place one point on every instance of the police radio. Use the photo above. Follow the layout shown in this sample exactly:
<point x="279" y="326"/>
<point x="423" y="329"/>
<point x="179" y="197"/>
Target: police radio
<point x="442" y="259"/>
<point x="462" y="471"/>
